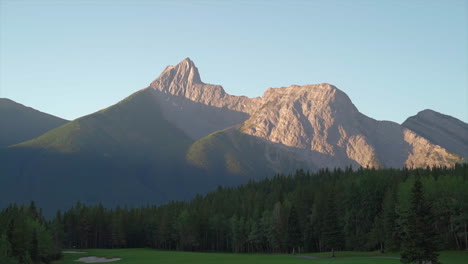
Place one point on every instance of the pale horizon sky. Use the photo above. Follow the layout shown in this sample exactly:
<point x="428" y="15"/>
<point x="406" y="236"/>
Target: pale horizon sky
<point x="392" y="58"/>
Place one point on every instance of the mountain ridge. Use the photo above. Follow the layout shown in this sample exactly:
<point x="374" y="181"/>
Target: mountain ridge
<point x="20" y="123"/>
<point x="318" y="120"/>
<point x="444" y="130"/>
<point x="180" y="136"/>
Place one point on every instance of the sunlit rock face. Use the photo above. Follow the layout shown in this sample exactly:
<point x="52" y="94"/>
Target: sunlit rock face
<point x="196" y="107"/>
<point x="319" y="123"/>
<point x="443" y="130"/>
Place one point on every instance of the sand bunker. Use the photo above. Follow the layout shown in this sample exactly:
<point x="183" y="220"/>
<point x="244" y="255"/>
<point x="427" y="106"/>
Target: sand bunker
<point x="73" y="252"/>
<point x="97" y="259"/>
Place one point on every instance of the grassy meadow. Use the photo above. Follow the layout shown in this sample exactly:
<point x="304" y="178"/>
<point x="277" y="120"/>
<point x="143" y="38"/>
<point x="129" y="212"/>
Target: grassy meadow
<point x="150" y="256"/>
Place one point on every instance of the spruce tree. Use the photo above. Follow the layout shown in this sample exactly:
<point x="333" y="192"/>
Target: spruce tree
<point x="419" y="238"/>
<point x="294" y="230"/>
<point x="332" y="235"/>
<point x="34" y="247"/>
<point x="5" y="251"/>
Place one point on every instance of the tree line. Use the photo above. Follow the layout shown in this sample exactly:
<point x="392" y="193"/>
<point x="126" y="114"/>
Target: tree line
<point x="340" y="209"/>
<point x="27" y="237"/>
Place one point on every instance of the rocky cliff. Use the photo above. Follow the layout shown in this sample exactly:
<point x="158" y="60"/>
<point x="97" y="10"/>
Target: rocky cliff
<point x="443" y="130"/>
<point x="319" y="123"/>
<point x="196" y="107"/>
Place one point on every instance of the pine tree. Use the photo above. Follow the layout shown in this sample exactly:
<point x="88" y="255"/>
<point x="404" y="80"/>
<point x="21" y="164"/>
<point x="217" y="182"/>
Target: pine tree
<point x="419" y="238"/>
<point x="332" y="235"/>
<point x="34" y="247"/>
<point x="294" y="230"/>
<point x="391" y="227"/>
<point x="255" y="235"/>
<point x="5" y="250"/>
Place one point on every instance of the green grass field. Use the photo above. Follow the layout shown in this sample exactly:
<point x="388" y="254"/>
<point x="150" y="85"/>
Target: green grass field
<point x="352" y="254"/>
<point x="150" y="256"/>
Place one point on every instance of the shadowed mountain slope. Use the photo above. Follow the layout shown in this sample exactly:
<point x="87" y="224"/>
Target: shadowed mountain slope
<point x="134" y="125"/>
<point x="125" y="154"/>
<point x="20" y="123"/>
<point x="180" y="136"/>
<point x="322" y="127"/>
<point x="196" y="107"/>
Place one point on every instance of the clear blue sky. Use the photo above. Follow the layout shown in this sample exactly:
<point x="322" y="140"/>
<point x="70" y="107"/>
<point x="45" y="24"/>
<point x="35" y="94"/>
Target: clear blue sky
<point x="393" y="58"/>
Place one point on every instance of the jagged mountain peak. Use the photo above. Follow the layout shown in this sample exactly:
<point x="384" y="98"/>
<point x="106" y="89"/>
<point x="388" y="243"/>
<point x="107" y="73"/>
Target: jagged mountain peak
<point x="149" y="143"/>
<point x="183" y="80"/>
<point x="311" y="99"/>
<point x="188" y="70"/>
<point x="181" y="95"/>
<point x="303" y="117"/>
<point x="178" y="78"/>
<point x="314" y="119"/>
<point x="321" y="121"/>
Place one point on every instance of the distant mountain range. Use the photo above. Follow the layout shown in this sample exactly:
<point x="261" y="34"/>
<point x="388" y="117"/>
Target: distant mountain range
<point x="180" y="136"/>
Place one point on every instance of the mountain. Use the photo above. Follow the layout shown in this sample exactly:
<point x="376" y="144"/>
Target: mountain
<point x="134" y="125"/>
<point x="125" y="154"/>
<point x="319" y="126"/>
<point x="20" y="123"/>
<point x="443" y="130"/>
<point x="195" y="107"/>
<point x="130" y="153"/>
<point x="180" y="136"/>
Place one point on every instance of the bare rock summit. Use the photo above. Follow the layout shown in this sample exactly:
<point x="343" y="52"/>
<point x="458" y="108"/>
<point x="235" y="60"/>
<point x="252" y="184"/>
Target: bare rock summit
<point x="319" y="123"/>
<point x="196" y="107"/>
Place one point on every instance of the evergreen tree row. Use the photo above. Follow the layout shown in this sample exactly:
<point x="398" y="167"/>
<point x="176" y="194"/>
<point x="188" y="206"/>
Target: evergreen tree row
<point x="415" y="211"/>
<point x="365" y="209"/>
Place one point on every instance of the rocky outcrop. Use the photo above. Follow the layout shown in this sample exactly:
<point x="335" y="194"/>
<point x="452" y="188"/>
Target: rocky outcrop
<point x="179" y="137"/>
<point x="196" y="107"/>
<point x="318" y="123"/>
<point x="302" y="117"/>
<point x="423" y="153"/>
<point x="443" y="130"/>
<point x="322" y="119"/>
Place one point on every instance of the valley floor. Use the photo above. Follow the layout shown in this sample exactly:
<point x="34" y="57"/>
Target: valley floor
<point x="150" y="256"/>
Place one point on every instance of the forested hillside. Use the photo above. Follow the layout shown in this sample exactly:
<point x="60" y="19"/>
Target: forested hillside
<point x="180" y="137"/>
<point x="341" y="209"/>
<point x="365" y="209"/>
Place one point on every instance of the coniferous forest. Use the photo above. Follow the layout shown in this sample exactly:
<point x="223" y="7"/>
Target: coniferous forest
<point x="362" y="210"/>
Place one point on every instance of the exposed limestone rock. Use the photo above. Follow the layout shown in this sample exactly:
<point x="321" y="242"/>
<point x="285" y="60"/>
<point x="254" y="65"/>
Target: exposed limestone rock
<point x="318" y="124"/>
<point x="184" y="80"/>
<point x="424" y="153"/>
<point x="359" y="150"/>
<point x="440" y="129"/>
<point x="301" y="116"/>
<point x="196" y="107"/>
